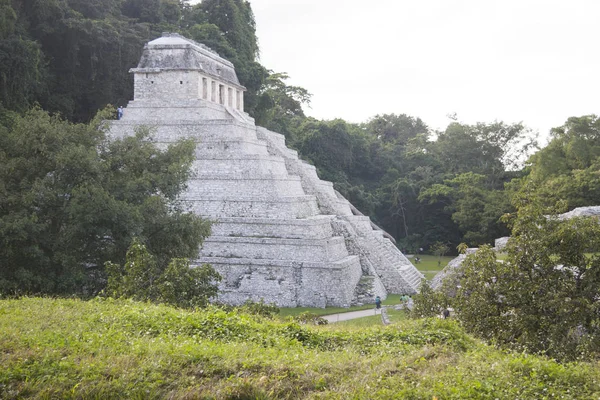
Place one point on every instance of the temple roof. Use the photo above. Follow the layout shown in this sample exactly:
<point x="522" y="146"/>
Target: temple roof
<point x="175" y="52"/>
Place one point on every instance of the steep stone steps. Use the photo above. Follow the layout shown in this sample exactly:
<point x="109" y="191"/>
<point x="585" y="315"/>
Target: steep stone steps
<point x="311" y="250"/>
<point x="289" y="207"/>
<point x="317" y="227"/>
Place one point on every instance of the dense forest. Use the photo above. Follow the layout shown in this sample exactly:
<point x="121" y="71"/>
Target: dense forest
<point x="427" y="188"/>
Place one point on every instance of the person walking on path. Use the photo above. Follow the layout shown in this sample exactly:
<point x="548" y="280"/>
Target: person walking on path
<point x="119" y="112"/>
<point x="378" y="302"/>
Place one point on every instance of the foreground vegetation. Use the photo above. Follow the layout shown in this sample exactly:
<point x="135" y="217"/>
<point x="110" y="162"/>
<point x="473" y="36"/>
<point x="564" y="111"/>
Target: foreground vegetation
<point x="541" y="298"/>
<point x="124" y="349"/>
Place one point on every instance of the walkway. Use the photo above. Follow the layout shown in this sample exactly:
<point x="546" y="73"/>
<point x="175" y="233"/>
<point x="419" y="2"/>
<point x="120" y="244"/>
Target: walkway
<point x="351" y="315"/>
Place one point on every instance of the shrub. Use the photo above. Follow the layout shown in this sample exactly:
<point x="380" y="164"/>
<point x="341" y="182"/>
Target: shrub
<point x="179" y="284"/>
<point x="309" y="318"/>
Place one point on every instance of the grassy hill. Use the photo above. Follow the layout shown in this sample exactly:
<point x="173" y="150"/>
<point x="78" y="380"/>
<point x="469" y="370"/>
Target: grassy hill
<point x="121" y="349"/>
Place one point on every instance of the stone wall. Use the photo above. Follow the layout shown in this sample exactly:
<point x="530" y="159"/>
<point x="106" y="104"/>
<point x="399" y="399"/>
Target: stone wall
<point x="392" y="270"/>
<point x="287" y="283"/>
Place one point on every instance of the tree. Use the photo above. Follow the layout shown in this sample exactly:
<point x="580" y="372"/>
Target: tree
<point x="439" y="249"/>
<point x="178" y="285"/>
<point x="22" y="69"/>
<point x="429" y="303"/>
<point x="475" y="209"/>
<point x="392" y="128"/>
<point x="568" y="168"/>
<point x="278" y="102"/>
<point x="543" y="298"/>
<point x="70" y="200"/>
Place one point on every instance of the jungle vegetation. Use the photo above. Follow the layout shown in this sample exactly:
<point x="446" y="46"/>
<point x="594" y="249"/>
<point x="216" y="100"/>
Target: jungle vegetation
<point x="70" y="200"/>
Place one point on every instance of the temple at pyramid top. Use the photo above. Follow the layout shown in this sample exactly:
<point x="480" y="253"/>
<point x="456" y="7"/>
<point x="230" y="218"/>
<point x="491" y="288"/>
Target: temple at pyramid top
<point x="173" y="67"/>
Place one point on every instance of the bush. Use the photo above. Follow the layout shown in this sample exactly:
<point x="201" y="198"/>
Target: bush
<point x="428" y="302"/>
<point x="178" y="285"/>
<point x="308" y="318"/>
<point x="544" y="297"/>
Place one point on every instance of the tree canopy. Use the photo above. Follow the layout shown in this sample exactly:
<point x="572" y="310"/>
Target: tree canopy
<point x="71" y="200"/>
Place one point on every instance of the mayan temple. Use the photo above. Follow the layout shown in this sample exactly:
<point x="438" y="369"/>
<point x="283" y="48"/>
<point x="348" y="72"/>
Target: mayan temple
<point x="280" y="233"/>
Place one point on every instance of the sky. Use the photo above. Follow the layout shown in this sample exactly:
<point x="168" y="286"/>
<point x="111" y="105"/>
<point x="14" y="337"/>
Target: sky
<point x="530" y="61"/>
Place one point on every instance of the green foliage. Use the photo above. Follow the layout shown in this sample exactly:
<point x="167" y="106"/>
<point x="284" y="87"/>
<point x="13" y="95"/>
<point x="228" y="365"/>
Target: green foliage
<point x="178" y="285"/>
<point x="258" y="308"/>
<point x="137" y="279"/>
<point x="419" y="190"/>
<point x="184" y="286"/>
<point x="396" y="129"/>
<point x="115" y="348"/>
<point x="428" y="302"/>
<point x="567" y="170"/>
<point x="78" y="57"/>
<point x="439" y="249"/>
<point x="279" y="104"/>
<point x="70" y="200"/>
<point x="476" y="210"/>
<point x="22" y="72"/>
<point x="309" y="318"/>
<point x="543" y="297"/>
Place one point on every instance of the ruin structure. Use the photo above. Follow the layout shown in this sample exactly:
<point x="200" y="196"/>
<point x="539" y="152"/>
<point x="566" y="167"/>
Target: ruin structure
<point x="280" y="233"/>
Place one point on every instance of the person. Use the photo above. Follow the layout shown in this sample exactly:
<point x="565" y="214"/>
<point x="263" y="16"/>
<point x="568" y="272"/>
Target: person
<point x="446" y="313"/>
<point x="378" y="302"/>
<point x="119" y="112"/>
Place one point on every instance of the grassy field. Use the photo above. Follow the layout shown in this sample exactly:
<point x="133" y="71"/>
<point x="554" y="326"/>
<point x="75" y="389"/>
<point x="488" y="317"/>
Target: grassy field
<point x="429" y="264"/>
<point x="108" y="349"/>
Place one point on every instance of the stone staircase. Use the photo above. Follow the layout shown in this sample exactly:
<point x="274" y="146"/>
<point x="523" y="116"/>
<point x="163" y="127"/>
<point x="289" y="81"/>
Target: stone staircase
<point x="385" y="262"/>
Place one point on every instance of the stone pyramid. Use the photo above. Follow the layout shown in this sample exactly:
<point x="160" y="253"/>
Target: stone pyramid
<point x="280" y="233"/>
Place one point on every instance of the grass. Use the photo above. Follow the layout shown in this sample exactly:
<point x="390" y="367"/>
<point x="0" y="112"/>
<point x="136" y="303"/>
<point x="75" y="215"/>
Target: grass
<point x="291" y="312"/>
<point x="430" y="263"/>
<point x="374" y="320"/>
<point x="394" y="316"/>
<point x="287" y="312"/>
<point x="108" y="349"/>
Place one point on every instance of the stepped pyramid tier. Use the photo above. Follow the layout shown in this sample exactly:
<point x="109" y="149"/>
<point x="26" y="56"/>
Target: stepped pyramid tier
<point x="280" y="234"/>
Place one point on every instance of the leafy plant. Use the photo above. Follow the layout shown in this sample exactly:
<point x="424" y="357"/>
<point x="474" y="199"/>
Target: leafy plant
<point x="428" y="302"/>
<point x="179" y="284"/>
<point x="543" y="298"/>
<point x="439" y="249"/>
<point x="309" y="318"/>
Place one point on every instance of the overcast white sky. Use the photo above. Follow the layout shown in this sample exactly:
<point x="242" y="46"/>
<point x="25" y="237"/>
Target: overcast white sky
<point x="536" y="61"/>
